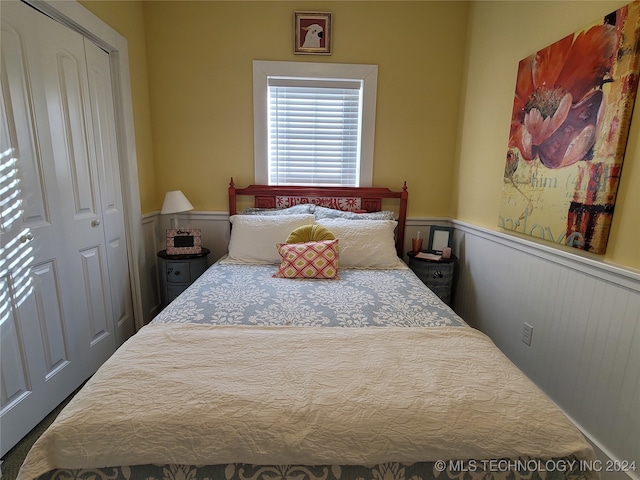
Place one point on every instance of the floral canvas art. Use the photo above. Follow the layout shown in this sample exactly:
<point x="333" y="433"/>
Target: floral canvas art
<point x="569" y="127"/>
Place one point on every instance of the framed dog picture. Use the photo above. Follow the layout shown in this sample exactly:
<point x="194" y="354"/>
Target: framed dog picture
<point x="184" y="241"/>
<point x="312" y="33"/>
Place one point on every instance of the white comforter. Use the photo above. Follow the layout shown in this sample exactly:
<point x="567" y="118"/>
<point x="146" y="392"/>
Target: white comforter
<point x="200" y="394"/>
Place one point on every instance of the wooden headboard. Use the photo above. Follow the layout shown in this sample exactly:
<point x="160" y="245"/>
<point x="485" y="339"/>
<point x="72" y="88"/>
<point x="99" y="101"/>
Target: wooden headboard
<point x="361" y="199"/>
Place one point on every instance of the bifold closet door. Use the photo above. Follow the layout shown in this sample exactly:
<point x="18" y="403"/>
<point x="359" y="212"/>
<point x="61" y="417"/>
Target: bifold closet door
<point x="64" y="279"/>
<point x="111" y="207"/>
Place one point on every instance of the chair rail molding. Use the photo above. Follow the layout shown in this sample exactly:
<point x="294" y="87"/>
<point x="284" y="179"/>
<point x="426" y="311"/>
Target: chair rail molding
<point x="589" y="264"/>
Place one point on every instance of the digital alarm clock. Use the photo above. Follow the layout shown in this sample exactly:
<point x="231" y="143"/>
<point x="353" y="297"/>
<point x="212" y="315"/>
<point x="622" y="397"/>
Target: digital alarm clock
<point x="184" y="241"/>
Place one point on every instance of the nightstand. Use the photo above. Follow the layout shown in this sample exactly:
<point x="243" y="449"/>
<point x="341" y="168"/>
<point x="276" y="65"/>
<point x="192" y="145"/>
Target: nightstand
<point x="439" y="275"/>
<point x="177" y="272"/>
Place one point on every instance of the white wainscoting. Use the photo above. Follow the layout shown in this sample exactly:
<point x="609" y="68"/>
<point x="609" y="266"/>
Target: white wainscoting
<point x="585" y="350"/>
<point x="149" y="282"/>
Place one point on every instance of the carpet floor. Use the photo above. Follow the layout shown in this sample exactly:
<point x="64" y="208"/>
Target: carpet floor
<point x="13" y="459"/>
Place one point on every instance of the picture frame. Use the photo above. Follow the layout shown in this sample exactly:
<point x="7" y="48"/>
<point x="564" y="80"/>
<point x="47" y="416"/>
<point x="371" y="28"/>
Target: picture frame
<point x="184" y="241"/>
<point x="439" y="238"/>
<point x="560" y="181"/>
<point x="312" y="33"/>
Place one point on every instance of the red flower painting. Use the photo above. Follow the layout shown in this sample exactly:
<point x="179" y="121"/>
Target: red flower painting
<point x="558" y="101"/>
<point x="569" y="127"/>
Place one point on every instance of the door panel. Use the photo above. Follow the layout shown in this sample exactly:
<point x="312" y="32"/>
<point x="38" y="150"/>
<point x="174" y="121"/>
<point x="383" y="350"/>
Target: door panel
<point x="92" y="272"/>
<point x="70" y="127"/>
<point x="45" y="295"/>
<point x="15" y="82"/>
<point x="15" y="381"/>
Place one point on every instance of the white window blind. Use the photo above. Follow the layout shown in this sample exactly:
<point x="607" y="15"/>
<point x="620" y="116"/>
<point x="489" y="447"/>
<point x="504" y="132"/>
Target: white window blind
<point x="314" y="131"/>
<point x="327" y="75"/>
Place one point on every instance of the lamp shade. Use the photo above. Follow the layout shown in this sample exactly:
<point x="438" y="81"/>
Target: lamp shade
<point x="175" y="202"/>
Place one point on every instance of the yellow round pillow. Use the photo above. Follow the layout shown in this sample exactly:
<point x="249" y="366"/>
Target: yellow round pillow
<point x="310" y="233"/>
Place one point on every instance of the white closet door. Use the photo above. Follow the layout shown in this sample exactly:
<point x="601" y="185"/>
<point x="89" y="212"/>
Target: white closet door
<point x="112" y="208"/>
<point x="62" y="238"/>
<point x="74" y="154"/>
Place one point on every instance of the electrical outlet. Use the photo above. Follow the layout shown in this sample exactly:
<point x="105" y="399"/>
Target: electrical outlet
<point x="527" y="333"/>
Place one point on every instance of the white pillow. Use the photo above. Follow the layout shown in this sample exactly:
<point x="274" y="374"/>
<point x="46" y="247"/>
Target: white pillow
<point x="254" y="237"/>
<point x="369" y="244"/>
<point x="324" y="212"/>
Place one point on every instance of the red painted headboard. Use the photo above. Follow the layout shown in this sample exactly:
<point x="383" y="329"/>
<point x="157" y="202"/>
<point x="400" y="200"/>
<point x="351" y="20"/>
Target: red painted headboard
<point x="367" y="199"/>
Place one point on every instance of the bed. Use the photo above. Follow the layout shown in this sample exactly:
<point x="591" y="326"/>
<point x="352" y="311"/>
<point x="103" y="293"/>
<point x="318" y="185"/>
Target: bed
<point x="345" y="368"/>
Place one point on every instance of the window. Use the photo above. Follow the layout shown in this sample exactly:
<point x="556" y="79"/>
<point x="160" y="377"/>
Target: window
<point x="314" y="132"/>
<point x="314" y="123"/>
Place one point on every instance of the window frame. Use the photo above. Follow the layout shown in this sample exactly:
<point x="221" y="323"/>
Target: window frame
<point x="263" y="69"/>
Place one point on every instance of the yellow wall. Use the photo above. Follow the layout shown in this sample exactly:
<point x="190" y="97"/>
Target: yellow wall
<point x="500" y="35"/>
<point x="126" y="17"/>
<point x="200" y="79"/>
<point x="446" y="81"/>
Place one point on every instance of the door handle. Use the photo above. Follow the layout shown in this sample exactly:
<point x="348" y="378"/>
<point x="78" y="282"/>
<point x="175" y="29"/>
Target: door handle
<point x="26" y="237"/>
<point x="95" y="223"/>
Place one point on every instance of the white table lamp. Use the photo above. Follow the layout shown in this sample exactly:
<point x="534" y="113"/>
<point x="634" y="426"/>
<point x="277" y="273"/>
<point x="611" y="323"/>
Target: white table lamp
<point x="175" y="202"/>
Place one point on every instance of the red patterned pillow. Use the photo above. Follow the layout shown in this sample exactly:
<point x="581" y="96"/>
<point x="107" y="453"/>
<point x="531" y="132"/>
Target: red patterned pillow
<point x="308" y="260"/>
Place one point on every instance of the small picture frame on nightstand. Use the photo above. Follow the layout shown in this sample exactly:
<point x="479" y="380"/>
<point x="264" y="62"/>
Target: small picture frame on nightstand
<point x="439" y="239"/>
<point x="184" y="241"/>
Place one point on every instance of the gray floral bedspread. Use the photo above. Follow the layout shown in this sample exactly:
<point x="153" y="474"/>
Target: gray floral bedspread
<point x="567" y="468"/>
<point x="235" y="294"/>
<point x="232" y="294"/>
